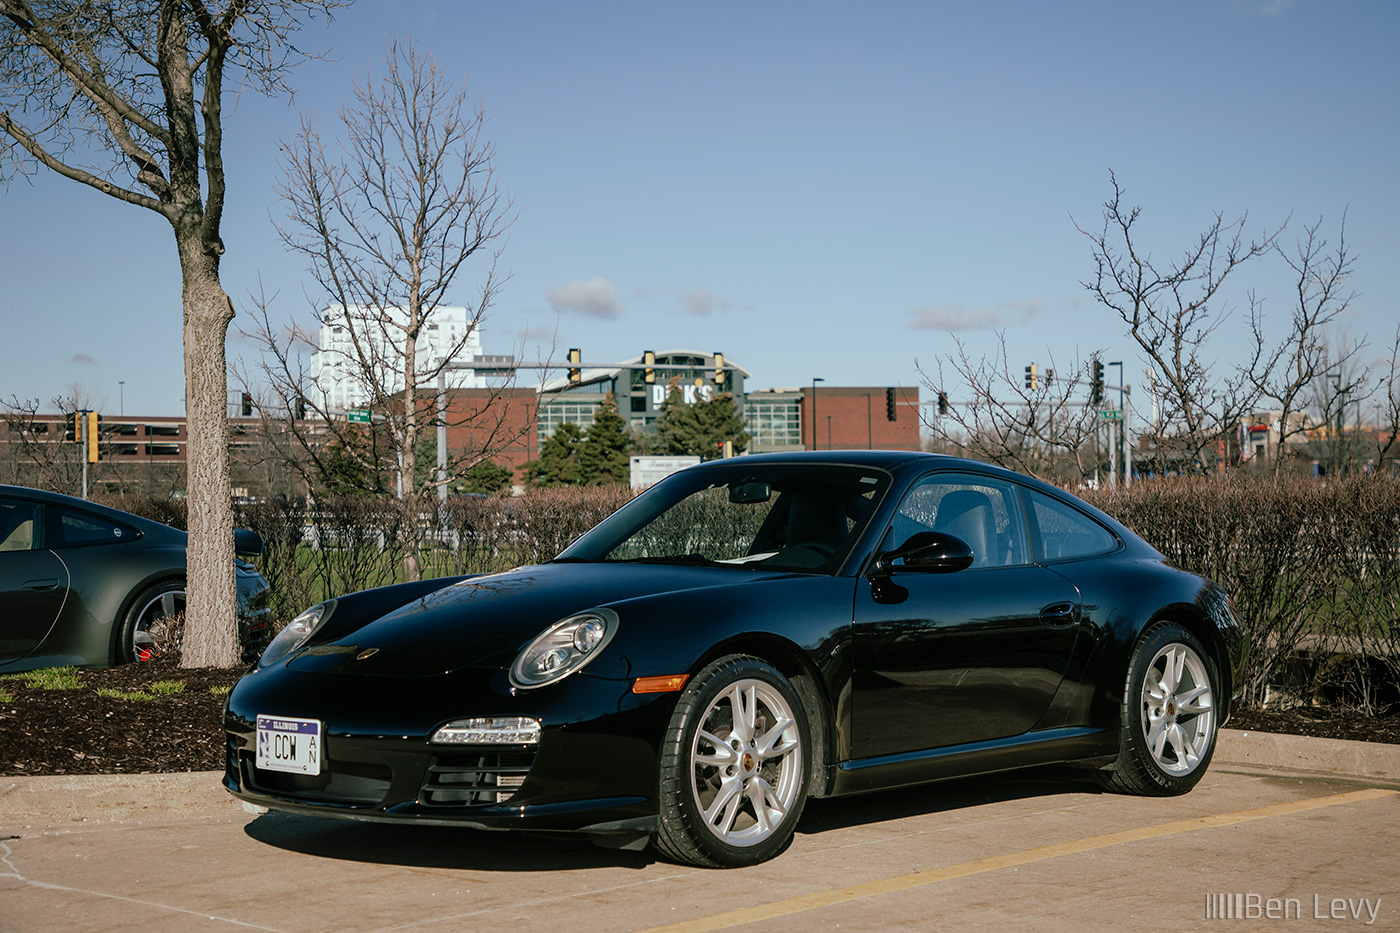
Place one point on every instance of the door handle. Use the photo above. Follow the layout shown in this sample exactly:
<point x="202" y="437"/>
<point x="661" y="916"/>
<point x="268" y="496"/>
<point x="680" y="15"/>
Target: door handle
<point x="1060" y="614"/>
<point x="51" y="584"/>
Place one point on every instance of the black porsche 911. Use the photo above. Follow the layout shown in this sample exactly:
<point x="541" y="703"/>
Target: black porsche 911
<point x="744" y="635"/>
<point x="89" y="586"/>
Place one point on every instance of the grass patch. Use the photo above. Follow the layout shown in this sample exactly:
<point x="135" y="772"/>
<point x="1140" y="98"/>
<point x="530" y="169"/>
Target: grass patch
<point x="114" y="694"/>
<point x="221" y="691"/>
<point x="6" y="696"/>
<point x="167" y="688"/>
<point x="50" y="678"/>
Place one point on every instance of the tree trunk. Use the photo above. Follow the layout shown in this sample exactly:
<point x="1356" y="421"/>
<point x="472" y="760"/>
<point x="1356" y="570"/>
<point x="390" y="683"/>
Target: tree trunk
<point x="211" y="626"/>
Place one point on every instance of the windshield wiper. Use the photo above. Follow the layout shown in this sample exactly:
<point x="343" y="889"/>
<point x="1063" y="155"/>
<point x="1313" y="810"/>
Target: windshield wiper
<point x="571" y="560"/>
<point x="697" y="559"/>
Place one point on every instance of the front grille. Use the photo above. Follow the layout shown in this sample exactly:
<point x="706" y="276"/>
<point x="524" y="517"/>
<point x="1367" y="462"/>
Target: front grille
<point x="362" y="784"/>
<point x="474" y="779"/>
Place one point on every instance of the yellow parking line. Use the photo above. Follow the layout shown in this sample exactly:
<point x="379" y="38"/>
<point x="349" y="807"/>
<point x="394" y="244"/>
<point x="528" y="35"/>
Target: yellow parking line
<point x="856" y="892"/>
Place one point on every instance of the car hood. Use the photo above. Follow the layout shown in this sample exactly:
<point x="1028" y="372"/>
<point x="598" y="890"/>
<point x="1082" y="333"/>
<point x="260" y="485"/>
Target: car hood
<point x="487" y="620"/>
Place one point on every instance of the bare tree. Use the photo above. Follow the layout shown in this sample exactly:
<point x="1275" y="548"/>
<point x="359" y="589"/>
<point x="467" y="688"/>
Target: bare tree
<point x="1045" y="430"/>
<point x="127" y="98"/>
<point x="1388" y="408"/>
<point x="1287" y="372"/>
<point x="388" y="223"/>
<point x="1171" y="311"/>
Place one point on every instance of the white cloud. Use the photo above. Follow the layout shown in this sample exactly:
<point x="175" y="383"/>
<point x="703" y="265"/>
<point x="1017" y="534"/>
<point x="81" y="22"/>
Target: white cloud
<point x="83" y="358"/>
<point x="955" y="317"/>
<point x="702" y="303"/>
<point x="595" y="297"/>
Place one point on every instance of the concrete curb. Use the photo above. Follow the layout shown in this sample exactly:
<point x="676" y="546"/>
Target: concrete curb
<point x="1365" y="760"/>
<point x="26" y="802"/>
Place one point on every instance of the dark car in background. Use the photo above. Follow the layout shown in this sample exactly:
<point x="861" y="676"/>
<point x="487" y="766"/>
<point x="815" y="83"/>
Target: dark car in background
<point x="85" y="585"/>
<point x="744" y="635"/>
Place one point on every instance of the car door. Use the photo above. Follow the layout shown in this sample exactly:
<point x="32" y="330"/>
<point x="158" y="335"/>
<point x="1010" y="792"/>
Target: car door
<point x="950" y="658"/>
<point x="33" y="581"/>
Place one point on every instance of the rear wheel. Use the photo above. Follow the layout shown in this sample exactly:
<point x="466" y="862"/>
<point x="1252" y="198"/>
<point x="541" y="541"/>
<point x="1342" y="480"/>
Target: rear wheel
<point x="733" y="769"/>
<point x="1169" y="720"/>
<point x="147" y="623"/>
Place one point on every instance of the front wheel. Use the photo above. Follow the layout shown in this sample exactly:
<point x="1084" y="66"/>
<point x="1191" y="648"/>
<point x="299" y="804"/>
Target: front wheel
<point x="733" y="767"/>
<point x="149" y="621"/>
<point x="1169" y="716"/>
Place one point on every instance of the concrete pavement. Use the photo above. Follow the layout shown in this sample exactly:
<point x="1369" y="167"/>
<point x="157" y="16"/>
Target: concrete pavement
<point x="1038" y="849"/>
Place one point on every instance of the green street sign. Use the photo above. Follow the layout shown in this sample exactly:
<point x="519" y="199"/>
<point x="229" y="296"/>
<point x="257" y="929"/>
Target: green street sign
<point x="1110" y="414"/>
<point x="358" y="416"/>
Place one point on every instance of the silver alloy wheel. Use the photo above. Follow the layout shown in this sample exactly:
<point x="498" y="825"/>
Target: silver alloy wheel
<point x="746" y="763"/>
<point x="163" y="605"/>
<point x="1178" y="710"/>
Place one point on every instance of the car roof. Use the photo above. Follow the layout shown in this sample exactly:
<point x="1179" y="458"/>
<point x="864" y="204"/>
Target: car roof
<point x="117" y="515"/>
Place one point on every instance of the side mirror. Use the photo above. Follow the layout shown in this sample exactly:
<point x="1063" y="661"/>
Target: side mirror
<point x="247" y="543"/>
<point x="927" y="552"/>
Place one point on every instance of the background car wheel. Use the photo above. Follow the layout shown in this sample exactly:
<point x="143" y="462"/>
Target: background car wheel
<point x="1169" y="715"/>
<point x="733" y="766"/>
<point x="155" y="604"/>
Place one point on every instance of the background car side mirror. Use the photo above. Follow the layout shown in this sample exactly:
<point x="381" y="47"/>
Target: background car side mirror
<point x="928" y="552"/>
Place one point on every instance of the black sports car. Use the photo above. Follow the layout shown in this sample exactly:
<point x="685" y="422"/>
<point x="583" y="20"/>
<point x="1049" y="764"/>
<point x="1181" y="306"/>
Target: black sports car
<point x="746" y="634"/>
<point x="85" y="585"/>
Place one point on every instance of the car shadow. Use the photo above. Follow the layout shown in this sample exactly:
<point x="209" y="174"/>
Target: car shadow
<point x="476" y="850"/>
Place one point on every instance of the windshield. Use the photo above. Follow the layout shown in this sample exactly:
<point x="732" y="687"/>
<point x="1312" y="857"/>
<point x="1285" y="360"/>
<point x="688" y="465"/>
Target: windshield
<point x="777" y="517"/>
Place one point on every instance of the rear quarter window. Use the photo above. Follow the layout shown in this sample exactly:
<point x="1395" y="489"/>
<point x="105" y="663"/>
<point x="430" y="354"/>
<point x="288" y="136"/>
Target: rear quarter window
<point x="82" y="529"/>
<point x="1065" y="532"/>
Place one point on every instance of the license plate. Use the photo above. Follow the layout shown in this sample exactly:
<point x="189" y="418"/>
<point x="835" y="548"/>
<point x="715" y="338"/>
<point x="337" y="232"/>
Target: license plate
<point x="286" y="744"/>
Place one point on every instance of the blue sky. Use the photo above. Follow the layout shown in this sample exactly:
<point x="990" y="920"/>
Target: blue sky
<point x="813" y="189"/>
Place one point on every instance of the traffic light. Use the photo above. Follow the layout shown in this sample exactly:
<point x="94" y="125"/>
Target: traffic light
<point x="943" y="403"/>
<point x="575" y="372"/>
<point x="1031" y="380"/>
<point x="93" y="420"/>
<point x="719" y="369"/>
<point x="301" y="408"/>
<point x="247" y="405"/>
<point x="75" y="432"/>
<point x="649" y="360"/>
<point x="890" y="413"/>
<point x="1049" y="378"/>
<point x="1096" y="384"/>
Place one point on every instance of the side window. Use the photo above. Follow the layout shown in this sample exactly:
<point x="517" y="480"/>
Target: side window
<point x="19" y="524"/>
<point x="76" y="529"/>
<point x="981" y="511"/>
<point x="1065" y="532"/>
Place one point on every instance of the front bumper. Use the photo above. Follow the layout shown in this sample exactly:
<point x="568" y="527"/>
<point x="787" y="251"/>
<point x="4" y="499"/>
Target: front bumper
<point x="593" y="770"/>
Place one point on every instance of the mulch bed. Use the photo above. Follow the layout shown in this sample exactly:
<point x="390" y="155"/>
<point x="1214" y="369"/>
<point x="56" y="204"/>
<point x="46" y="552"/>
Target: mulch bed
<point x="80" y="732"/>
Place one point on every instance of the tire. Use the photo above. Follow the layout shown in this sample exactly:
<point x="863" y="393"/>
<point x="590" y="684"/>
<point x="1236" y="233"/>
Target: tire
<point x="1169" y="717"/>
<point x="155" y="603"/>
<point x="734" y="767"/>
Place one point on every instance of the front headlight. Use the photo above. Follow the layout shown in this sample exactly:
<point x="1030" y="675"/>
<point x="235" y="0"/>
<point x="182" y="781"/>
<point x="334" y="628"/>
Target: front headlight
<point x="296" y="633"/>
<point x="564" y="648"/>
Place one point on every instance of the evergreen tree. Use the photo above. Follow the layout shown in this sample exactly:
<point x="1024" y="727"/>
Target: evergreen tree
<point x="488" y="476"/>
<point x="558" y="461"/>
<point x="699" y="429"/>
<point x="603" y="457"/>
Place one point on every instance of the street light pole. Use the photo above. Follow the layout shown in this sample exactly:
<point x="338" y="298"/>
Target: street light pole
<point x="121" y="388"/>
<point x="815" y="380"/>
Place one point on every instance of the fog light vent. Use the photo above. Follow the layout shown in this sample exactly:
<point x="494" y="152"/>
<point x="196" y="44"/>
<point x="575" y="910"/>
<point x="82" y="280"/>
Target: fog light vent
<point x="494" y="730"/>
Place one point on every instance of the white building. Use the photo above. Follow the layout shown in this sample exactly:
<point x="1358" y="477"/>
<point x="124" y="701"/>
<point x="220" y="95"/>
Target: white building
<point x="337" y="367"/>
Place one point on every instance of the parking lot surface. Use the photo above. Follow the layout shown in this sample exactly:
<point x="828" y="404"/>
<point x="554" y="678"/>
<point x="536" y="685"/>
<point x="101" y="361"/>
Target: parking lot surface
<point x="1042" y="850"/>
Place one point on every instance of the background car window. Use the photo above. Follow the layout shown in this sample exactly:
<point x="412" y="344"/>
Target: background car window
<point x="1065" y="532"/>
<point x="76" y="529"/>
<point x="18" y="521"/>
<point x="983" y="512"/>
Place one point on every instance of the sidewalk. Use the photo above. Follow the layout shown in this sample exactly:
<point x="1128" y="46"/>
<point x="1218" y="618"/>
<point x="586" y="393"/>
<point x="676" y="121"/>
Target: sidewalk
<point x="87" y="798"/>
